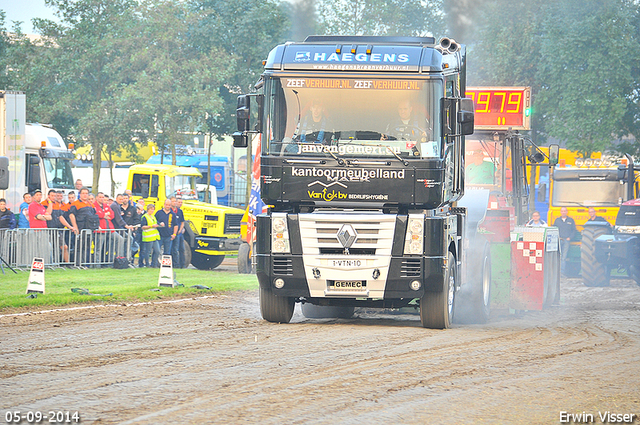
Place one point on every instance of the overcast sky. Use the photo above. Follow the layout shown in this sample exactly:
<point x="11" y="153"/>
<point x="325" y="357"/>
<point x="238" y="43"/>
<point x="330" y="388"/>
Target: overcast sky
<point x="25" y="10"/>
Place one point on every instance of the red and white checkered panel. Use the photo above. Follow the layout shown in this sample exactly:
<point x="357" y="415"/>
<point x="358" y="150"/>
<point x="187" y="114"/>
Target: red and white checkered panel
<point x="527" y="275"/>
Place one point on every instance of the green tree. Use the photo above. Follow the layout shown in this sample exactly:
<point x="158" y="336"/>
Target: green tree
<point x="586" y="72"/>
<point x="381" y="17"/>
<point x="175" y="84"/>
<point x="88" y="54"/>
<point x="246" y="30"/>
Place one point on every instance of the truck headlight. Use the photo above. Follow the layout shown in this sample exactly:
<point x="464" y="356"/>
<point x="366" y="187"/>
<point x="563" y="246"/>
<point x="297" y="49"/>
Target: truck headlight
<point x="628" y="229"/>
<point x="414" y="239"/>
<point x="279" y="234"/>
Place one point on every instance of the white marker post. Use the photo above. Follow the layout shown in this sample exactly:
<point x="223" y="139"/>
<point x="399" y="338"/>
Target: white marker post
<point x="166" y="272"/>
<point x="36" y="277"/>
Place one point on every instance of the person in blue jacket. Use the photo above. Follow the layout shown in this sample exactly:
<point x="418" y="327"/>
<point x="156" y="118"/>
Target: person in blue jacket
<point x="7" y="218"/>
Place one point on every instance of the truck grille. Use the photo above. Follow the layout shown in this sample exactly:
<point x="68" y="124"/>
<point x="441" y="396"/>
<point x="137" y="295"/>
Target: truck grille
<point x="319" y="233"/>
<point x="283" y="265"/>
<point x="410" y="267"/>
<point x="232" y="223"/>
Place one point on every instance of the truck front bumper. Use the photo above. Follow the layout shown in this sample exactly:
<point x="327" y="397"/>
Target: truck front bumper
<point x="217" y="246"/>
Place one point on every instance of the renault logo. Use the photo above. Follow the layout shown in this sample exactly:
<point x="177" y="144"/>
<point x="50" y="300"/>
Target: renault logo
<point x="347" y="235"/>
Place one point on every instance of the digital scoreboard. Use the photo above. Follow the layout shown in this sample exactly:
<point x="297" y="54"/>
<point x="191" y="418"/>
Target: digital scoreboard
<point x="501" y="108"/>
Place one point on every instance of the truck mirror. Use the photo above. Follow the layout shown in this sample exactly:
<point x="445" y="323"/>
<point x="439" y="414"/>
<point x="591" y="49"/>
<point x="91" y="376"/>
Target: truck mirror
<point x="243" y="112"/>
<point x="466" y="116"/>
<point x="4" y="173"/>
<point x="554" y="154"/>
<point x="240" y="140"/>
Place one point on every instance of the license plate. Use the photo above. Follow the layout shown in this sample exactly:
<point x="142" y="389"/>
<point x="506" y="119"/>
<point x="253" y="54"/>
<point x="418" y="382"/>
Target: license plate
<point x="348" y="285"/>
<point x="346" y="263"/>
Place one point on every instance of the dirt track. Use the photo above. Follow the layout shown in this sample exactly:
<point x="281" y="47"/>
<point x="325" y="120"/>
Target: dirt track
<point x="213" y="360"/>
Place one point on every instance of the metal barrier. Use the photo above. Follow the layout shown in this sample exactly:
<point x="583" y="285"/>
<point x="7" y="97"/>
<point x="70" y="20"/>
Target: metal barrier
<point x="63" y="248"/>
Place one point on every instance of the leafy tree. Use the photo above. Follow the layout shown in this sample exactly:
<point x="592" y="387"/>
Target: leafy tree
<point x="175" y="84"/>
<point x="564" y="50"/>
<point x="584" y="98"/>
<point x="89" y="53"/>
<point x="381" y="17"/>
<point x="246" y="30"/>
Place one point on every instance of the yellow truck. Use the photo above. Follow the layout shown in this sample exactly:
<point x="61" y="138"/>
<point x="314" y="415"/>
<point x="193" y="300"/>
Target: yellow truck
<point x="212" y="231"/>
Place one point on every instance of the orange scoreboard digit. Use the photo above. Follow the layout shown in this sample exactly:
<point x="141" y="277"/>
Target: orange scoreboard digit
<point x="501" y="108"/>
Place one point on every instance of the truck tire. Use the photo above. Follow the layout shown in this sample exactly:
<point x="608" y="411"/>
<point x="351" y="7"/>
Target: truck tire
<point x="187" y="254"/>
<point x="473" y="301"/>
<point x="311" y="311"/>
<point x="274" y="308"/>
<point x="436" y="308"/>
<point x="594" y="273"/>
<point x="206" y="262"/>
<point x="244" y="259"/>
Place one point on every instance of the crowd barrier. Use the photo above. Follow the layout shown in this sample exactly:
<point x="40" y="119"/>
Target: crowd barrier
<point x="63" y="248"/>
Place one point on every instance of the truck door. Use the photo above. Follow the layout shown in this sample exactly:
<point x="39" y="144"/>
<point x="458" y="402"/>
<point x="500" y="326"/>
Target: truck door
<point x="32" y="169"/>
<point x="146" y="186"/>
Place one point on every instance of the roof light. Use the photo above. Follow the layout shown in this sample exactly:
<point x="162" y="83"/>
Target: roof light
<point x="354" y="48"/>
<point x="339" y="49"/>
<point x="369" y="49"/>
<point x="43" y="144"/>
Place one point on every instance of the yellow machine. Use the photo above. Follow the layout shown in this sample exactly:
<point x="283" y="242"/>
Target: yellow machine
<point x="212" y="231"/>
<point x="602" y="183"/>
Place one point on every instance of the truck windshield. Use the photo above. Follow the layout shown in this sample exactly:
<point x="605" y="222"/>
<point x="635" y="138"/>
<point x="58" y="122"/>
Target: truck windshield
<point x="58" y="172"/>
<point x="181" y="186"/>
<point x="361" y="117"/>
<point x="567" y="193"/>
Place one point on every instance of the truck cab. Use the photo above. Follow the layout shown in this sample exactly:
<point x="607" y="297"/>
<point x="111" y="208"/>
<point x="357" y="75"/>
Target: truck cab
<point x="362" y="142"/>
<point x="212" y="231"/>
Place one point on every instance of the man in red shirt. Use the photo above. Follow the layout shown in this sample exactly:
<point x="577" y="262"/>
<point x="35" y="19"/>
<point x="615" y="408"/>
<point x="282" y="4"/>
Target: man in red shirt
<point x="38" y="213"/>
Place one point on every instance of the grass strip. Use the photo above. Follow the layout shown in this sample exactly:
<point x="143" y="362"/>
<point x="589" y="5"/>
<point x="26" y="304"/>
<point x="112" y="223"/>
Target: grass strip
<point x="127" y="285"/>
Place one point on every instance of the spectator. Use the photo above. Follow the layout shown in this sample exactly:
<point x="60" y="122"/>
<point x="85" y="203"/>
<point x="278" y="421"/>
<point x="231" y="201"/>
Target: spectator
<point x="7" y="218"/>
<point x="594" y="217"/>
<point x="71" y="197"/>
<point x="23" y="217"/>
<point x="150" y="239"/>
<point x="137" y="224"/>
<point x="177" y="251"/>
<point x="83" y="216"/>
<point x="168" y="229"/>
<point x="38" y="214"/>
<point x="536" y="221"/>
<point x="92" y="199"/>
<point x="117" y="219"/>
<point x="104" y="241"/>
<point x="567" y="229"/>
<point x="82" y="213"/>
<point x="131" y="220"/>
<point x="79" y="185"/>
<point x="59" y="221"/>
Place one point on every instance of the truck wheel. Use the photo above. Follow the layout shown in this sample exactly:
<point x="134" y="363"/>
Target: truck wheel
<point x="244" y="259"/>
<point x="187" y="254"/>
<point x="311" y="311"/>
<point x="206" y="262"/>
<point x="473" y="301"/>
<point x="274" y="308"/>
<point x="436" y="308"/>
<point x="594" y="273"/>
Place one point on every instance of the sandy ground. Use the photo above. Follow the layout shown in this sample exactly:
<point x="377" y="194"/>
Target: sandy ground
<point x="214" y="360"/>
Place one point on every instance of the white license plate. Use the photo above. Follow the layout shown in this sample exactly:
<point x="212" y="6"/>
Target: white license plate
<point x="347" y="264"/>
<point x="348" y="285"/>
